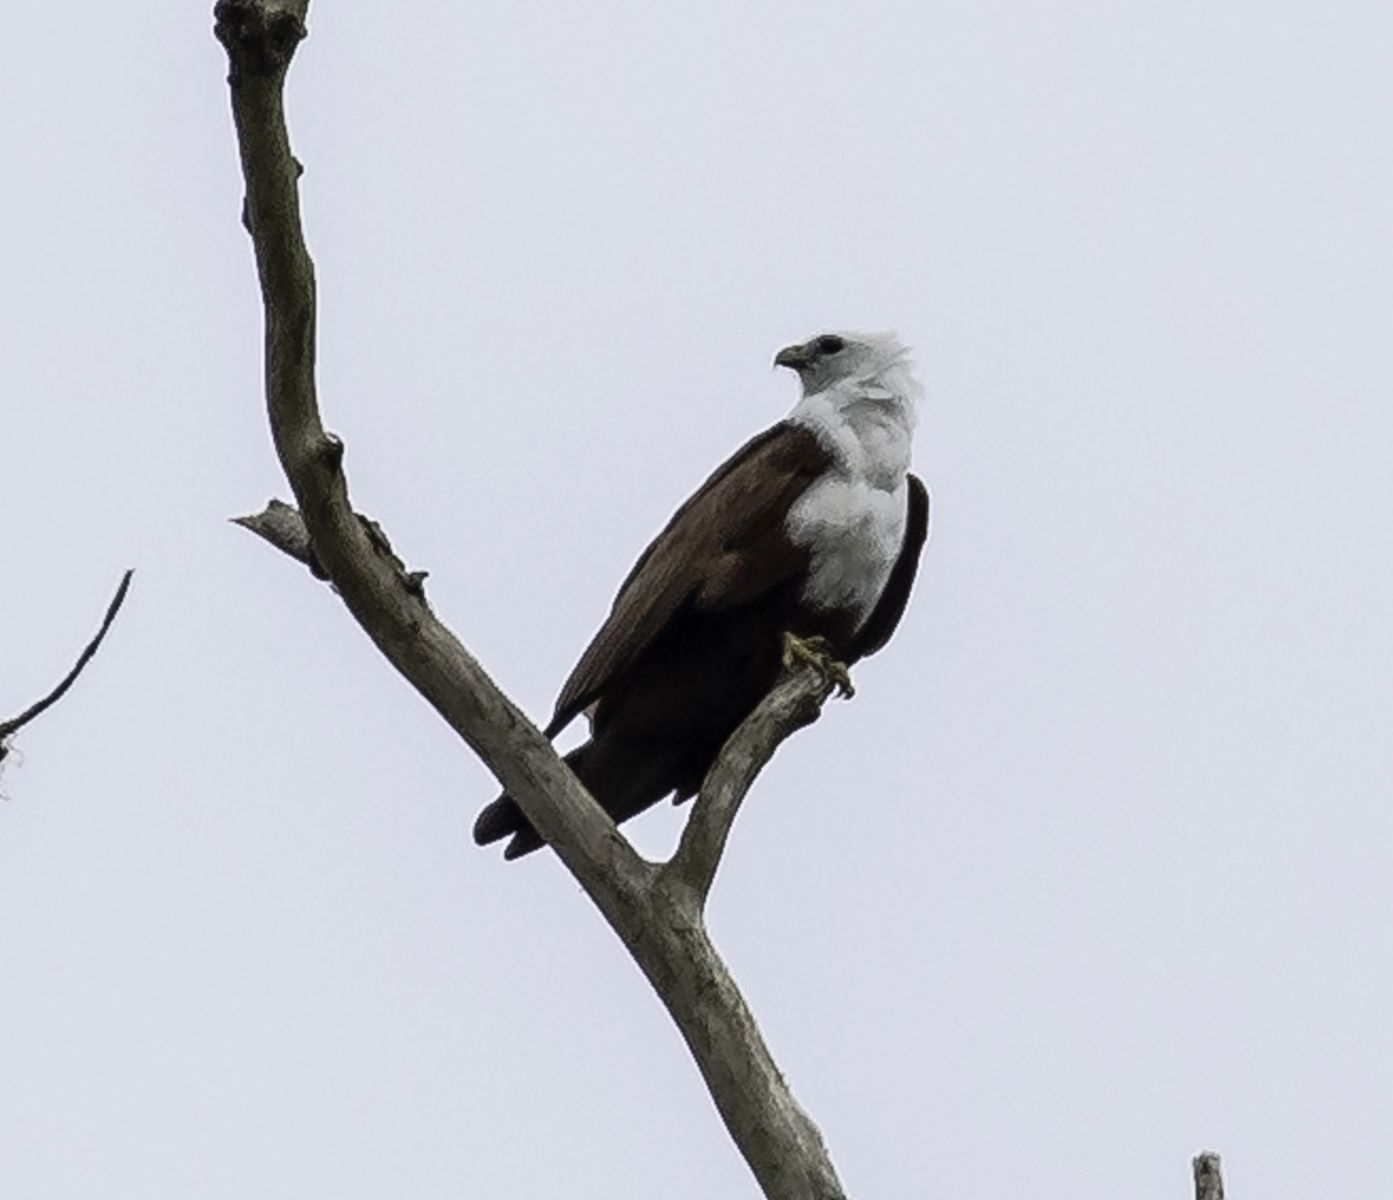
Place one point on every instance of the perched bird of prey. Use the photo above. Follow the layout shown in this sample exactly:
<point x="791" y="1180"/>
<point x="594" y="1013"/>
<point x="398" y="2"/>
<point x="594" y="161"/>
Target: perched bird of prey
<point x="804" y="543"/>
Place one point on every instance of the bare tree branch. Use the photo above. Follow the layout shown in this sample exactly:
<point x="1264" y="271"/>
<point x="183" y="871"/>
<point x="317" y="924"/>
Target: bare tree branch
<point x="657" y="916"/>
<point x="282" y="525"/>
<point x="782" y="1145"/>
<point x="15" y="724"/>
<point x="1209" y="1183"/>
<point x="260" y="37"/>
<point x="795" y="702"/>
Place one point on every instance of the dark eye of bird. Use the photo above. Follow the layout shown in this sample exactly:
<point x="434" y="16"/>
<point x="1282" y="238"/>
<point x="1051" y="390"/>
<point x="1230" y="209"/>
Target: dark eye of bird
<point x="830" y="344"/>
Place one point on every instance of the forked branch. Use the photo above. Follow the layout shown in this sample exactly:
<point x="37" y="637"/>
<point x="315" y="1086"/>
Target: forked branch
<point x="659" y="922"/>
<point x="795" y="702"/>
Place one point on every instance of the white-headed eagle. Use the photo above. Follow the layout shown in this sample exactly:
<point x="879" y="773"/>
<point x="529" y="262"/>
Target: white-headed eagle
<point x="813" y="529"/>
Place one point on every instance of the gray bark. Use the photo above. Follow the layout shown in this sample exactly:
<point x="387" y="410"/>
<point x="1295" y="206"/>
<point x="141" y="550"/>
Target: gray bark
<point x="657" y="911"/>
<point x="1209" y="1183"/>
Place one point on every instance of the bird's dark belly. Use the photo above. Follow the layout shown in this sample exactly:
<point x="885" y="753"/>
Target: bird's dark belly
<point x="673" y="710"/>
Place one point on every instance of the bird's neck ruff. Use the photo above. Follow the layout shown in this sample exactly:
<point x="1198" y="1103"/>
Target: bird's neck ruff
<point x="867" y="419"/>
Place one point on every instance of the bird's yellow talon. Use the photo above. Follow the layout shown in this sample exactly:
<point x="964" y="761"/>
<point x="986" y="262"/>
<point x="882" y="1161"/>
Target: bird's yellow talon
<point x="816" y="652"/>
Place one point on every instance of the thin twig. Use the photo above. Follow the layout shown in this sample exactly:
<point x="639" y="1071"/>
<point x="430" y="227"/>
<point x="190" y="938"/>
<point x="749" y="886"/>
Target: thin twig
<point x="12" y="726"/>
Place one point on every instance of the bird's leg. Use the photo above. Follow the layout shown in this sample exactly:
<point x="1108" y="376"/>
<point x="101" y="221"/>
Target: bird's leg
<point x="816" y="652"/>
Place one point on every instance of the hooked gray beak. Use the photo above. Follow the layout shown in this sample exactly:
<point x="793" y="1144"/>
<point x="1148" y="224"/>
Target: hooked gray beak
<point x="796" y="357"/>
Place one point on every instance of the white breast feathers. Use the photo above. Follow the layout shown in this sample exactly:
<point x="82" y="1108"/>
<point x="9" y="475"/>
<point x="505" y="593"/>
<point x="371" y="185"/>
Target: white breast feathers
<point x="853" y="519"/>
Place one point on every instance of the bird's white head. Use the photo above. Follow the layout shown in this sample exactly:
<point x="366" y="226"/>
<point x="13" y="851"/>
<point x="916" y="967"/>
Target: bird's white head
<point x="860" y="396"/>
<point x="872" y="360"/>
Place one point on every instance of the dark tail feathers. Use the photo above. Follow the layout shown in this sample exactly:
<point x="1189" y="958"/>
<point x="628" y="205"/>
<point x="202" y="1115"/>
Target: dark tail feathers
<point x="503" y="817"/>
<point x="624" y="783"/>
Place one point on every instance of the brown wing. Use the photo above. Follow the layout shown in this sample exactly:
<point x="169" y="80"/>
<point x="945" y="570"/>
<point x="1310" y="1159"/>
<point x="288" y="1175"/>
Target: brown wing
<point x="725" y="546"/>
<point x="891" y="605"/>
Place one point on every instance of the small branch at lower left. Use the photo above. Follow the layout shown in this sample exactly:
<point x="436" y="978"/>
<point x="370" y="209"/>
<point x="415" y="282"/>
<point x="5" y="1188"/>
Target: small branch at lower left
<point x="9" y="728"/>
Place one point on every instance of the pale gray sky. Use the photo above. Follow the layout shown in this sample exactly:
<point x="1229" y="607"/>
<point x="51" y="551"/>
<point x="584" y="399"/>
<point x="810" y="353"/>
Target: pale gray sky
<point x="1095" y="871"/>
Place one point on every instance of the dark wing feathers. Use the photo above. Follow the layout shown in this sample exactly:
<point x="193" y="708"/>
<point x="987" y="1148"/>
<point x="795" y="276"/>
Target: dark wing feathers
<point x="891" y="605"/>
<point x="724" y="546"/>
